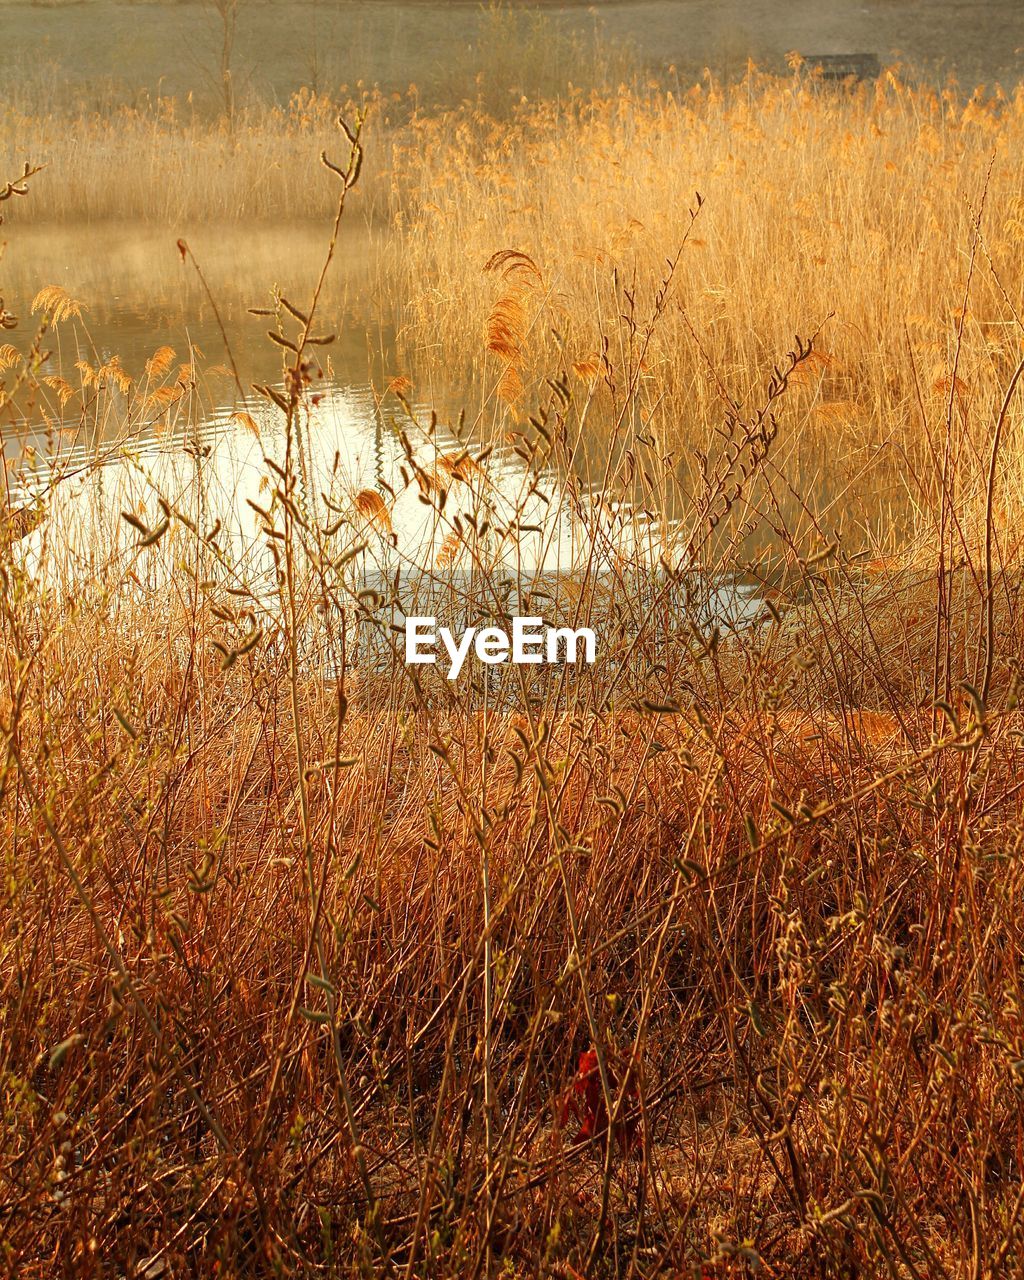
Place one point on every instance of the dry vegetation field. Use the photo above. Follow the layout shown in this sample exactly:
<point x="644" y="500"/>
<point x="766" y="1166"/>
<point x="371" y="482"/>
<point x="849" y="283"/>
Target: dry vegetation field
<point x="706" y="964"/>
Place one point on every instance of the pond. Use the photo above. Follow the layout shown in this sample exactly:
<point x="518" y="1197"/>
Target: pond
<point x="370" y="468"/>
<point x="140" y="300"/>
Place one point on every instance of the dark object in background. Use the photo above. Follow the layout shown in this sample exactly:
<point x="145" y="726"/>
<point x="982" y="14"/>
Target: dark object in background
<point x="840" y="66"/>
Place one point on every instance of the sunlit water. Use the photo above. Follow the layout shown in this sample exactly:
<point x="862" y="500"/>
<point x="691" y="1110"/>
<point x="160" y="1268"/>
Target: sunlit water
<point x="421" y="526"/>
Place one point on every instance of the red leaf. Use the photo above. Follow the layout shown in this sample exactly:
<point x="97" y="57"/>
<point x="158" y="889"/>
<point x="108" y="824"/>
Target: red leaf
<point x="584" y="1100"/>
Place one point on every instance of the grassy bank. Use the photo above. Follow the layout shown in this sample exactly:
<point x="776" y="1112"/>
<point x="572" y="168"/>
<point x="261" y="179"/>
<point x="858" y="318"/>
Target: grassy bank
<point x="849" y="212"/>
<point x="852" y="212"/>
<point x="705" y="965"/>
<point x="166" y="165"/>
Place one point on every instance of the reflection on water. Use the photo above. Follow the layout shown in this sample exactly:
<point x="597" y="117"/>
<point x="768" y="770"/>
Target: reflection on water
<point x="415" y="496"/>
<point x="138" y="296"/>
<point x="404" y="504"/>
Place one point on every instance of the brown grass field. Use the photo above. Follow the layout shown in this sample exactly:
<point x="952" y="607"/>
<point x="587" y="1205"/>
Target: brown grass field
<point x="705" y="963"/>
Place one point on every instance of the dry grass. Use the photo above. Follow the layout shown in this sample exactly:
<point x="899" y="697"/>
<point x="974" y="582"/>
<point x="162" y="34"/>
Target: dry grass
<point x="170" y="166"/>
<point x="852" y="211"/>
<point x="177" y="158"/>
<point x="299" y="958"/>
